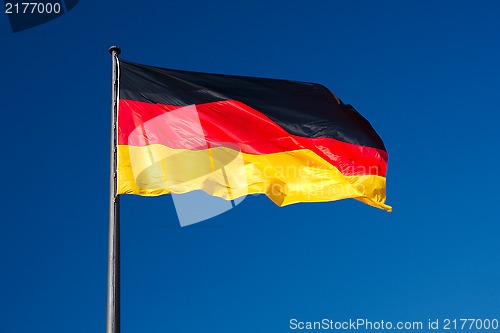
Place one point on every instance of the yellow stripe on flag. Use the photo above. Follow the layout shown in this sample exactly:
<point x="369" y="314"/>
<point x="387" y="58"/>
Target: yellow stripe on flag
<point x="285" y="177"/>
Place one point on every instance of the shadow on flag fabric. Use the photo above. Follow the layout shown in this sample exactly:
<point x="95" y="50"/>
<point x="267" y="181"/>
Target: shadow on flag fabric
<point x="231" y="136"/>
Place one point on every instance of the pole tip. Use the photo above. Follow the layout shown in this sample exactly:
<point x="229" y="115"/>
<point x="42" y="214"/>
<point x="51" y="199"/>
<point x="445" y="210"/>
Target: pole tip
<point x="115" y="49"/>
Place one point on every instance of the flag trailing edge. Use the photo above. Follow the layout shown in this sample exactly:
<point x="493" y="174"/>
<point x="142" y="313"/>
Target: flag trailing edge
<point x="230" y="136"/>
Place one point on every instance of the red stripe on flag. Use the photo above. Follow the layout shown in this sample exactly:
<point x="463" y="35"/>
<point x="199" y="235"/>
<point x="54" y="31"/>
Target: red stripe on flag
<point x="198" y="126"/>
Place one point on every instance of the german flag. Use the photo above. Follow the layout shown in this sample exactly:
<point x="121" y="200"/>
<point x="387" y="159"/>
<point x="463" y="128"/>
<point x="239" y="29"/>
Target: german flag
<point x="229" y="136"/>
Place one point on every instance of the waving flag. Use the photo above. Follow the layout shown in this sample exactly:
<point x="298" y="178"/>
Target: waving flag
<point x="229" y="136"/>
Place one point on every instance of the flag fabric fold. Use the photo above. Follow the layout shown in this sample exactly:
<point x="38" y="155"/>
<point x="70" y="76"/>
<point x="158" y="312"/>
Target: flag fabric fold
<point x="230" y="136"/>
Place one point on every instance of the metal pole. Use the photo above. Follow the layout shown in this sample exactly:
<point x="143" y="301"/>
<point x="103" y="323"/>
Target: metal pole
<point x="113" y="296"/>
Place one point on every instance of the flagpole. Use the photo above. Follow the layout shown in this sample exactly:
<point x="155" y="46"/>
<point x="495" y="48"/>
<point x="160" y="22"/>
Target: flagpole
<point x="113" y="294"/>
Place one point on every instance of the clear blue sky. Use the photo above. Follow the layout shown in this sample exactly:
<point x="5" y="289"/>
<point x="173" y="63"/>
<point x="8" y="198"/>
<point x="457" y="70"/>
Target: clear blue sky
<point x="426" y="75"/>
